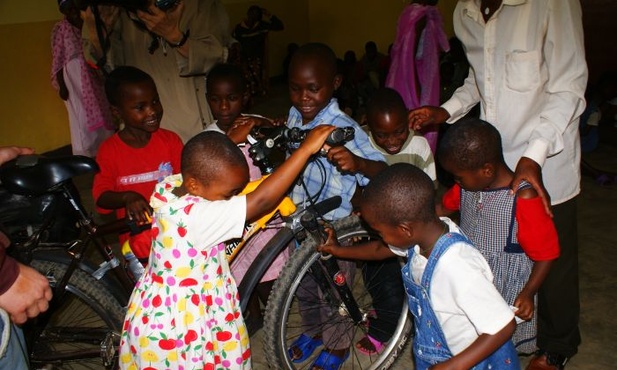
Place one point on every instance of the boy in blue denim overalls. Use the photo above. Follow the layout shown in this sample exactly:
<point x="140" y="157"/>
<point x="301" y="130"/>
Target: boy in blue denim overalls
<point x="461" y="320"/>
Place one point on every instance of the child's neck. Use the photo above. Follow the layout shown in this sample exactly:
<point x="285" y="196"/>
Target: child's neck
<point x="431" y="233"/>
<point x="135" y="138"/>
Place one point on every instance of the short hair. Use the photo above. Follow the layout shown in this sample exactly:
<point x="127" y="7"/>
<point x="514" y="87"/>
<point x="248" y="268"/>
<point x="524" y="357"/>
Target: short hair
<point x="400" y="193"/>
<point x="208" y="154"/>
<point x="226" y="72"/>
<point x="316" y="50"/>
<point x="470" y="144"/>
<point x="386" y="100"/>
<point x="121" y="76"/>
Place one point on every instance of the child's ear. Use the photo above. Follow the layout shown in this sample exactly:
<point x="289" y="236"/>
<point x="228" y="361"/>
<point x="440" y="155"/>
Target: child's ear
<point x="406" y="228"/>
<point x="246" y="98"/>
<point x="338" y="79"/>
<point x="488" y="170"/>
<point x="115" y="111"/>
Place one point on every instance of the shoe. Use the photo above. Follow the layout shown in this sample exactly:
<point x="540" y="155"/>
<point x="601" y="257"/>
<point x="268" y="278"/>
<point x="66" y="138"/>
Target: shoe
<point x="329" y="361"/>
<point x="378" y="346"/>
<point x="543" y="360"/>
<point x="306" y="345"/>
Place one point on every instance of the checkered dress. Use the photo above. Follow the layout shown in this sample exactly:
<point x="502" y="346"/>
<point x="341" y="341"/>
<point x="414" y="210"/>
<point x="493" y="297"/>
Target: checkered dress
<point x="487" y="218"/>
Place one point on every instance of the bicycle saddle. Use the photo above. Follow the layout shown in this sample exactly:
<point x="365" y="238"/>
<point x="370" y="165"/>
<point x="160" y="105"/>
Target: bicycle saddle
<point x="34" y="174"/>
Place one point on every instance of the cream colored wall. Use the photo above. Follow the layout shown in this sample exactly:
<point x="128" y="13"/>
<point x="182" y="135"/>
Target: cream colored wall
<point x="33" y="115"/>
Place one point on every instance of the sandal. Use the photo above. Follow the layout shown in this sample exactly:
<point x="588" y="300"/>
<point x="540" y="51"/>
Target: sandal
<point x="329" y="361"/>
<point x="306" y="345"/>
<point x="378" y="346"/>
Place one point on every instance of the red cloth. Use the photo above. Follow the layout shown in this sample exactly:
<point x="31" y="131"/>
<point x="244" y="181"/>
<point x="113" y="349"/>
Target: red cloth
<point x="536" y="232"/>
<point x="124" y="168"/>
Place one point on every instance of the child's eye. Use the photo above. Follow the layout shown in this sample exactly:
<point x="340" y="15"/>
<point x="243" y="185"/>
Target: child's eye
<point x="314" y="89"/>
<point x="234" y="97"/>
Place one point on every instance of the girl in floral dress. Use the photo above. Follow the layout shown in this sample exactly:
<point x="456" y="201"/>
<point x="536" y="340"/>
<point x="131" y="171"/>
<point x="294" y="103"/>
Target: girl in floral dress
<point x="184" y="312"/>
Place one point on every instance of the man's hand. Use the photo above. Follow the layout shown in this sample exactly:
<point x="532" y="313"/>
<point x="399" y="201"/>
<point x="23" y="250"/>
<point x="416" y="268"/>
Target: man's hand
<point x="27" y="297"/>
<point x="10" y="152"/>
<point x="425" y="116"/>
<point x="530" y="171"/>
<point x="164" y="24"/>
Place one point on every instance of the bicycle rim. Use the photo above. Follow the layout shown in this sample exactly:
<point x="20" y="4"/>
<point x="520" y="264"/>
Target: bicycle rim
<point x="283" y="314"/>
<point x="87" y="319"/>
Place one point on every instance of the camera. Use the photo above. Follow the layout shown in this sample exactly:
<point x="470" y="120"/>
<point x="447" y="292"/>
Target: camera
<point x="130" y="5"/>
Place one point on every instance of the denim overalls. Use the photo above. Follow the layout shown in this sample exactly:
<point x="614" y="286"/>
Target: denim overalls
<point x="430" y="345"/>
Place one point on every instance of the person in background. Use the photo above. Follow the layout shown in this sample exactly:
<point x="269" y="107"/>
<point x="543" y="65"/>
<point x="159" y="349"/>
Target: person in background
<point x="79" y="85"/>
<point x="252" y="33"/>
<point x="414" y="69"/>
<point x="176" y="46"/>
<point x="528" y="72"/>
<point x="135" y="158"/>
<point x="514" y="233"/>
<point x="461" y="320"/>
<point x="24" y="293"/>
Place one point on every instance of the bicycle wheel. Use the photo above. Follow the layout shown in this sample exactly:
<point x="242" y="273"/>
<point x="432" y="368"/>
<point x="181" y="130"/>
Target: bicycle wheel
<point x="83" y="330"/>
<point x="284" y="310"/>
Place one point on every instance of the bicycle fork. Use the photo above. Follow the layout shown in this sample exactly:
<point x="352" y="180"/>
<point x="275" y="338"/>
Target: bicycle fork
<point x="328" y="274"/>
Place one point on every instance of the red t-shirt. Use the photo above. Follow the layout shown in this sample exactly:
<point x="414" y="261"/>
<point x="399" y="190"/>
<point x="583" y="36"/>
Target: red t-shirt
<point x="124" y="168"/>
<point x="536" y="232"/>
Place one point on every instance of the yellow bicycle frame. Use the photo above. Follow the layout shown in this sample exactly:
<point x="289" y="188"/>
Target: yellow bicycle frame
<point x="285" y="208"/>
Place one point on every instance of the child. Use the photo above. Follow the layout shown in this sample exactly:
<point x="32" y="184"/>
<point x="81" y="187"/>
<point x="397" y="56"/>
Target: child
<point x="134" y="159"/>
<point x="79" y="85"/>
<point x="227" y="96"/>
<point x="514" y="233"/>
<point x="461" y="320"/>
<point x="313" y="79"/>
<point x="390" y="134"/>
<point x="184" y="312"/>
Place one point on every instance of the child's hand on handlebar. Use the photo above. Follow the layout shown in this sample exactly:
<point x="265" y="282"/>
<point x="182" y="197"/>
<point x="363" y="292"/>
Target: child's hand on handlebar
<point x="343" y="159"/>
<point x="316" y="138"/>
<point x="331" y="245"/>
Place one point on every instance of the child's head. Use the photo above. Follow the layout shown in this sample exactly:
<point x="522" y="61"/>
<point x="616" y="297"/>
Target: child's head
<point x="471" y="151"/>
<point x="387" y="119"/>
<point x="134" y="99"/>
<point x="226" y="94"/>
<point x="396" y="201"/>
<point x="213" y="167"/>
<point x="313" y="79"/>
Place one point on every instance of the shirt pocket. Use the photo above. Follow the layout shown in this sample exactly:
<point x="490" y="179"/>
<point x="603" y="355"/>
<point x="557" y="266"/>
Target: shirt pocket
<point x="523" y="70"/>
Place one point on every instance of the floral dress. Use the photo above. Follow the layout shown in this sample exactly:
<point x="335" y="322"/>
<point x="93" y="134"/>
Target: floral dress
<point x="184" y="312"/>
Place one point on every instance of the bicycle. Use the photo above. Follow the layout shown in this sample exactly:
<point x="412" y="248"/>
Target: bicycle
<point x="350" y="304"/>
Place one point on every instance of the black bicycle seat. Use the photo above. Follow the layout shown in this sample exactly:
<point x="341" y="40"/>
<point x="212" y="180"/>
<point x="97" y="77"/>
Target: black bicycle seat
<point x="36" y="174"/>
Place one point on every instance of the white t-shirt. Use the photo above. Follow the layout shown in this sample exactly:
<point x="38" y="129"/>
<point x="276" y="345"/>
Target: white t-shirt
<point x="463" y="296"/>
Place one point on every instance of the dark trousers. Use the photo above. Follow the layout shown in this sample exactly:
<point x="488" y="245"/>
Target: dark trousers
<point x="384" y="282"/>
<point x="558" y="297"/>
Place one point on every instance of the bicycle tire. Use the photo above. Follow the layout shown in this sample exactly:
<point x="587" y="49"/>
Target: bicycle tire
<point x="87" y="315"/>
<point x="281" y="324"/>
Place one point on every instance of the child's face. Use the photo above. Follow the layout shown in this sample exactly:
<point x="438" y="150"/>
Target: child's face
<point x="390" y="130"/>
<point x="139" y="107"/>
<point x="470" y="180"/>
<point x="393" y="235"/>
<point x="226" y="100"/>
<point x="311" y="87"/>
<point x="228" y="184"/>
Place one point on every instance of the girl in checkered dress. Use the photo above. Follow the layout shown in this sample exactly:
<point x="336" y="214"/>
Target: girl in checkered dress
<point x="512" y="231"/>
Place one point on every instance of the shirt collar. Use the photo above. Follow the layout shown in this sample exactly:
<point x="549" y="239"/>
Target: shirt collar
<point x="472" y="7"/>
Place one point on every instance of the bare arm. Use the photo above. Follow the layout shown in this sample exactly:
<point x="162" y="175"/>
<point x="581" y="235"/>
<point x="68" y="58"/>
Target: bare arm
<point x="346" y="161"/>
<point x="136" y="205"/>
<point x="374" y="250"/>
<point x="524" y="301"/>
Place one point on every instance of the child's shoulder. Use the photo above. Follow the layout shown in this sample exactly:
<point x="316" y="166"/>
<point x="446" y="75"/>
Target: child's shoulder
<point x="167" y="134"/>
